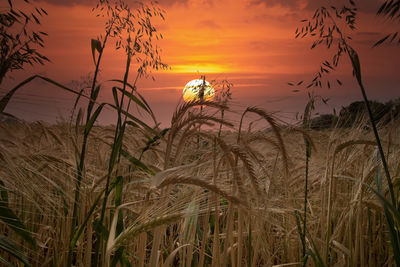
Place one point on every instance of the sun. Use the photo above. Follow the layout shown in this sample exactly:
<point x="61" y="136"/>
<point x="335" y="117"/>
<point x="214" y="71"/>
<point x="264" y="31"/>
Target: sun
<point x="193" y="90"/>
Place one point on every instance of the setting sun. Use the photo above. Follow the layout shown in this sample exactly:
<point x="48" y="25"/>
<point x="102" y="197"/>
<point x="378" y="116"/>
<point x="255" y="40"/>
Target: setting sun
<point x="115" y="150"/>
<point x="193" y="90"/>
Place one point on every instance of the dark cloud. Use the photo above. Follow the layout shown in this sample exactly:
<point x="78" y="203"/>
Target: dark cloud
<point x="69" y="2"/>
<point x="370" y="38"/>
<point x="368" y="34"/>
<point x="289" y="3"/>
<point x="92" y="3"/>
<point x="367" y="6"/>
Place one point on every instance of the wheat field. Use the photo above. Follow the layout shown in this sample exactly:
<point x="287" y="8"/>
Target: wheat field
<point x="218" y="186"/>
<point x="199" y="197"/>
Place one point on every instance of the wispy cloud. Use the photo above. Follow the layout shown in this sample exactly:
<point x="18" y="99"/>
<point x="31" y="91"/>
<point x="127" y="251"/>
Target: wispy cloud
<point x="92" y="3"/>
<point x="368" y="6"/>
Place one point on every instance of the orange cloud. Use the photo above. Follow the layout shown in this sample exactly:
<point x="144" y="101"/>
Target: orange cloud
<point x="249" y="42"/>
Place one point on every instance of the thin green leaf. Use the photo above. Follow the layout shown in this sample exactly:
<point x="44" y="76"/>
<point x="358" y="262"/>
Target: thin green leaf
<point x="36" y="19"/>
<point x="116" y="146"/>
<point x="3" y="193"/>
<point x="120" y="223"/>
<point x="134" y="99"/>
<point x="12" y="220"/>
<point x="355" y="61"/>
<point x="82" y="227"/>
<point x="96" y="92"/>
<point x="299" y="228"/>
<point x="134" y="119"/>
<point x="384" y="201"/>
<point x="394" y="36"/>
<point x="381" y="41"/>
<point x="95" y="45"/>
<point x="136" y="162"/>
<point x="93" y="118"/>
<point x="11" y="248"/>
<point x="134" y="89"/>
<point x="80" y="93"/>
<point x="115" y="96"/>
<point x="148" y="106"/>
<point x="389" y="218"/>
<point x="383" y="6"/>
<point x="100" y="229"/>
<point x="5" y="262"/>
<point x="4" y="101"/>
<point x="131" y="123"/>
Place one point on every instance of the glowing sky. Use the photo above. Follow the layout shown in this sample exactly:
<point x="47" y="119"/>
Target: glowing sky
<point x="248" y="42"/>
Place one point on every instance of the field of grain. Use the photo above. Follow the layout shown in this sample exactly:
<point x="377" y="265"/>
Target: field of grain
<point x="219" y="186"/>
<point x="193" y="197"/>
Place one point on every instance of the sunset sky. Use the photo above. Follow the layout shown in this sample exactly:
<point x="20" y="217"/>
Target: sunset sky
<point x="250" y="43"/>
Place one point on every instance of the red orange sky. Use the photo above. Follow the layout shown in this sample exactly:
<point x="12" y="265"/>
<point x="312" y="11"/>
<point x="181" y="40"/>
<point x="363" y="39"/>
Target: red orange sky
<point x="249" y="42"/>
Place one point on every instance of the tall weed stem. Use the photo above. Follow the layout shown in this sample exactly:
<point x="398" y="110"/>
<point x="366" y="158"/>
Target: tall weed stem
<point x="93" y="96"/>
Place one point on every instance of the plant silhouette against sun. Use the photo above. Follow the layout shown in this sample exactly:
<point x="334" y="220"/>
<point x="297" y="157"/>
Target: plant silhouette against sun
<point x="19" y="39"/>
<point x="223" y="97"/>
<point x="330" y="27"/>
<point x="134" y="32"/>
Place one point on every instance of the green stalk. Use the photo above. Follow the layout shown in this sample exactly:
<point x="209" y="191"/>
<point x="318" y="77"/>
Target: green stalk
<point x="308" y="154"/>
<point x="355" y="61"/>
<point x="93" y="96"/>
<point x="201" y="97"/>
<point x="393" y="232"/>
<point x="249" y="245"/>
<point x="130" y="100"/>
<point x="378" y="141"/>
<point x="120" y="223"/>
<point x="220" y="125"/>
<point x="116" y="147"/>
<point x="114" y="159"/>
<point x="306" y="118"/>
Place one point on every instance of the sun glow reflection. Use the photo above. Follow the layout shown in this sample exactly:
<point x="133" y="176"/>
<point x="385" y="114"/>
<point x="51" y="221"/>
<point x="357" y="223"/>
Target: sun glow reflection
<point x="199" y="68"/>
<point x="193" y="89"/>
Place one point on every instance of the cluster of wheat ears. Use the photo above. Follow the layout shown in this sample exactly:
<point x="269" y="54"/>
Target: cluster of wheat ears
<point x="198" y="197"/>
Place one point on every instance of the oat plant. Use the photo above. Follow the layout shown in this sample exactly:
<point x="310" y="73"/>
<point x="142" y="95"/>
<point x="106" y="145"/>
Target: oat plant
<point x="328" y="27"/>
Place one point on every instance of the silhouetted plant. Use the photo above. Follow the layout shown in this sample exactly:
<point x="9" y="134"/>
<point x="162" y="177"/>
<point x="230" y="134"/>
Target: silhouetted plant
<point x="133" y="31"/>
<point x="18" y="47"/>
<point x="19" y="41"/>
<point x="224" y="96"/>
<point x="391" y="10"/>
<point x="326" y="27"/>
<point x="8" y="217"/>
